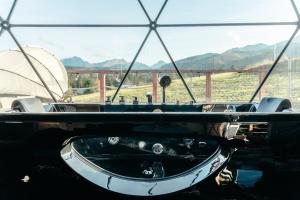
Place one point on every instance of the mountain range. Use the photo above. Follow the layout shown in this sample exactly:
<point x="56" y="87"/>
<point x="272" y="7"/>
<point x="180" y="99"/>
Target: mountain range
<point x="246" y="57"/>
<point x="113" y="64"/>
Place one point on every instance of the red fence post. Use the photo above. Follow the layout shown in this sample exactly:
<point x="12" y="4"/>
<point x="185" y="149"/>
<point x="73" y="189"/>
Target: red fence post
<point x="102" y="86"/>
<point x="262" y="91"/>
<point x="154" y="86"/>
<point x="208" y="87"/>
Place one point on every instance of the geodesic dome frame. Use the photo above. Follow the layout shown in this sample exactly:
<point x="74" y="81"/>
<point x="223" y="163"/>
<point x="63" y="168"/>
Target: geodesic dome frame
<point x="152" y="25"/>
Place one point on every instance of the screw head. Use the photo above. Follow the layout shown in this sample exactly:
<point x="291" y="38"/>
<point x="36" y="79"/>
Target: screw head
<point x="5" y="25"/>
<point x="153" y="25"/>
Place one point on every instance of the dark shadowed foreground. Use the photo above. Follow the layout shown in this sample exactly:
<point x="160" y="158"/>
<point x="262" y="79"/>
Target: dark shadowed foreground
<point x="49" y="183"/>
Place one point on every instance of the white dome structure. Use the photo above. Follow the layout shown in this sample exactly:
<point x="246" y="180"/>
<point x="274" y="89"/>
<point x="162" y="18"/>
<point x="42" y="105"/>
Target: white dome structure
<point x="19" y="79"/>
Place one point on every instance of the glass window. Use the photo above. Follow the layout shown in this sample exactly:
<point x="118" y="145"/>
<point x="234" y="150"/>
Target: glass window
<point x="219" y="62"/>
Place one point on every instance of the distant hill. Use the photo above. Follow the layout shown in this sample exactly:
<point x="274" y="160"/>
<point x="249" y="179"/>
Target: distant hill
<point x="119" y="64"/>
<point x="236" y="58"/>
<point x="75" y="62"/>
<point x="158" y="64"/>
<point x="113" y="64"/>
<point x="255" y="47"/>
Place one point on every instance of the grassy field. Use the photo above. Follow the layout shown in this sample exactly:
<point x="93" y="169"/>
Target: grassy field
<point x="226" y="87"/>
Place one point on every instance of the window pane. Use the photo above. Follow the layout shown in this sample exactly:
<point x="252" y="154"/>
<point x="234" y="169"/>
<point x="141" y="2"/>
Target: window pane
<point x="5" y="6"/>
<point x="209" y="11"/>
<point x="153" y="7"/>
<point x="87" y="11"/>
<point x="227" y="58"/>
<point x="6" y="42"/>
<point x="284" y="81"/>
<point x="146" y="73"/>
<point x="219" y="64"/>
<point x="83" y="50"/>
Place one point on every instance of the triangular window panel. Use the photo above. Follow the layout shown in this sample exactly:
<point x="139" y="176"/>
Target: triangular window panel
<point x="5" y="7"/>
<point x="227" y="11"/>
<point x="79" y="12"/>
<point x="284" y="80"/>
<point x="6" y="42"/>
<point x="153" y="7"/>
<point x="143" y="81"/>
<point x="86" y="53"/>
<point x="222" y="59"/>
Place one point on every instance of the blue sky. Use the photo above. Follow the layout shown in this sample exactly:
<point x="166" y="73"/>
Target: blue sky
<point x="99" y="44"/>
